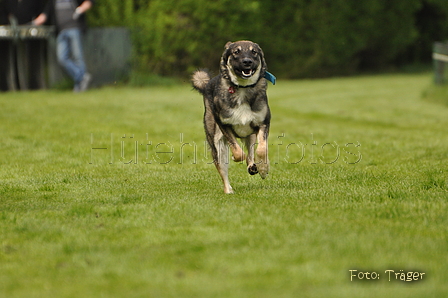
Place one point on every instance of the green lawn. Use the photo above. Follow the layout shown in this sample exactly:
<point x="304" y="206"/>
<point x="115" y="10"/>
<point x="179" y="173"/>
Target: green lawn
<point x="111" y="193"/>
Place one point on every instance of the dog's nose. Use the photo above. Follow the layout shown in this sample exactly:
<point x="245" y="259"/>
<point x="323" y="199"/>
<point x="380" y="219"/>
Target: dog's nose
<point x="247" y="62"/>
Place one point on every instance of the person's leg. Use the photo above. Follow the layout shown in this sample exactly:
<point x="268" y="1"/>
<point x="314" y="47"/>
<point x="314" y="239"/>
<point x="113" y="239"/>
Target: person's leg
<point x="77" y="53"/>
<point x="84" y="78"/>
<point x="70" y="55"/>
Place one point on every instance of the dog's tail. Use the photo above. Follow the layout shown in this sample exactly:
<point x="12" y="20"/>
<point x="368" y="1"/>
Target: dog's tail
<point x="200" y="80"/>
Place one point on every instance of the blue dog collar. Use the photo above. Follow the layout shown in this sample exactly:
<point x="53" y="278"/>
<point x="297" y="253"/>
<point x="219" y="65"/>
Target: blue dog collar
<point x="270" y="77"/>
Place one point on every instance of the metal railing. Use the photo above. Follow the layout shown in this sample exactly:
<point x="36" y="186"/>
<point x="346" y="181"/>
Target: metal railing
<point x="24" y="56"/>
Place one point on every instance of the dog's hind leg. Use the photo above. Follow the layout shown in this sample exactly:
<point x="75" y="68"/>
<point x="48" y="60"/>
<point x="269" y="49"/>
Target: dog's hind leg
<point x="262" y="159"/>
<point x="221" y="159"/>
<point x="237" y="152"/>
<point x="250" y="144"/>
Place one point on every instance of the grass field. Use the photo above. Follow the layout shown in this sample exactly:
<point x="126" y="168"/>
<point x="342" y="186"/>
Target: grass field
<point x="111" y="193"/>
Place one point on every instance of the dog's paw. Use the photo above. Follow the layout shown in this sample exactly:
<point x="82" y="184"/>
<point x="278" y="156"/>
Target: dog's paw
<point x="228" y="190"/>
<point x="238" y="157"/>
<point x="263" y="170"/>
<point x="252" y="169"/>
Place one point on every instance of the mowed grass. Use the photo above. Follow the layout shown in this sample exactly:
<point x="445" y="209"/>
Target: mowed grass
<point x="111" y="193"/>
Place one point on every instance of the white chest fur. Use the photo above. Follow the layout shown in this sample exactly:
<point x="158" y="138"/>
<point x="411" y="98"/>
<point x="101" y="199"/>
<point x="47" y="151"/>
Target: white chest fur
<point x="242" y="118"/>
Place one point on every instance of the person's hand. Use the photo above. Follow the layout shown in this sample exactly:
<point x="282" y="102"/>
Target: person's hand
<point x="40" y="20"/>
<point x="78" y="12"/>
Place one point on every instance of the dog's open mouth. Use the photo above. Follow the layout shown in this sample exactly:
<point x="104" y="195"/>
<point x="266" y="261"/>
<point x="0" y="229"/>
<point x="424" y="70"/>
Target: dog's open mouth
<point x="247" y="73"/>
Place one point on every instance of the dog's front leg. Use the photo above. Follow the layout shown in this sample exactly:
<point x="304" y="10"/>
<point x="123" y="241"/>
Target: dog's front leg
<point x="220" y="156"/>
<point x="223" y="170"/>
<point x="262" y="159"/>
<point x="250" y="144"/>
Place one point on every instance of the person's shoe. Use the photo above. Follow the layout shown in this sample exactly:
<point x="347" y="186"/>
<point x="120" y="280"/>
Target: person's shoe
<point x="86" y="79"/>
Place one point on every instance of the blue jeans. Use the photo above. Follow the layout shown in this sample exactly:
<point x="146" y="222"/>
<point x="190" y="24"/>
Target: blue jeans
<point x="70" y="53"/>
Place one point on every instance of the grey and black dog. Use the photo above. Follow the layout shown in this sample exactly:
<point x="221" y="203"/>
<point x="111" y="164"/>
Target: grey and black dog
<point x="236" y="106"/>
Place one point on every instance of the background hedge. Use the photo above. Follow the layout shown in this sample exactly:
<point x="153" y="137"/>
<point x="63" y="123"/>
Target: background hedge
<point x="301" y="38"/>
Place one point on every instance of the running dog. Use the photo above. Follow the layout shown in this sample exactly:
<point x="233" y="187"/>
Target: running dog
<point x="236" y="106"/>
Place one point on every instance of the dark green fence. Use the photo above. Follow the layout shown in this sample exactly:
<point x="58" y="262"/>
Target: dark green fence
<point x="107" y="54"/>
<point x="440" y="57"/>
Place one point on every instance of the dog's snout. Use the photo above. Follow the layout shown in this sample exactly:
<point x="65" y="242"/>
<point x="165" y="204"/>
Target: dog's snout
<point x="247" y="62"/>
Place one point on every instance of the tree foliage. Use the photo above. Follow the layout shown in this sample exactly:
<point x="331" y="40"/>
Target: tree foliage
<point x="301" y="38"/>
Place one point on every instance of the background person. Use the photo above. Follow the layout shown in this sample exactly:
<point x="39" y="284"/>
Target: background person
<point x="69" y="18"/>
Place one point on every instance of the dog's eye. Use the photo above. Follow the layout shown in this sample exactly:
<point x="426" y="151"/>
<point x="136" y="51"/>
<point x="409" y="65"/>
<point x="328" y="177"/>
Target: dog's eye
<point x="237" y="51"/>
<point x="254" y="52"/>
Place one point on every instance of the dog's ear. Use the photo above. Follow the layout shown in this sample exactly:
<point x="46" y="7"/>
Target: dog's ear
<point x="264" y="66"/>
<point x="224" y="58"/>
<point x="226" y="53"/>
